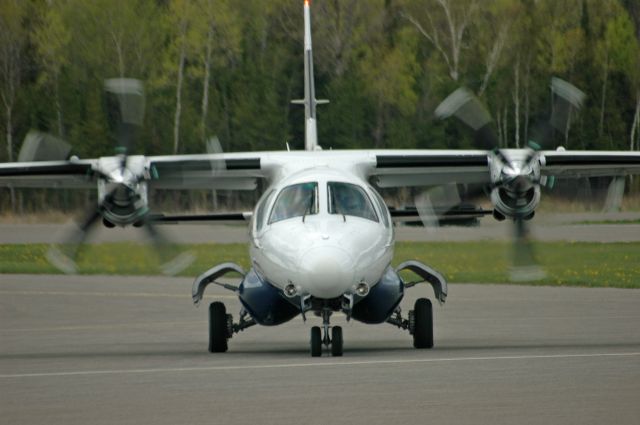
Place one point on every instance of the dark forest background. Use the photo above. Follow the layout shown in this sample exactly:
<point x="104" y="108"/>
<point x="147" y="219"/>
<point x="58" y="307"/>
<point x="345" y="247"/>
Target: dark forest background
<point x="230" y="68"/>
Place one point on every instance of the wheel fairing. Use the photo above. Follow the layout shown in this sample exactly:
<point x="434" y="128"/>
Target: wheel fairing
<point x="382" y="300"/>
<point x="265" y="303"/>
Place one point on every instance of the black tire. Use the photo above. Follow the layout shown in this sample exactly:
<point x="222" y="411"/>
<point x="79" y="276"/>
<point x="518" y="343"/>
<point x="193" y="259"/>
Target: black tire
<point x="336" y="341"/>
<point x="423" y="330"/>
<point x="217" y="328"/>
<point x="316" y="342"/>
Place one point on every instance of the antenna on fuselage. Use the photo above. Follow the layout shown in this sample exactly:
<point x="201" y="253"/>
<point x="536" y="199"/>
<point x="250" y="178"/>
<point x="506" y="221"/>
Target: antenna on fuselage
<point x="310" y="102"/>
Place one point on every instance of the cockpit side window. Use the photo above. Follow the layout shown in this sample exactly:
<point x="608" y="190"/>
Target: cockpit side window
<point x="262" y="209"/>
<point x="382" y="207"/>
<point x="296" y="200"/>
<point x="350" y="199"/>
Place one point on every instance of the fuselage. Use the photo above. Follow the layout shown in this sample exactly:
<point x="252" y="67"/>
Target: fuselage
<point x="321" y="231"/>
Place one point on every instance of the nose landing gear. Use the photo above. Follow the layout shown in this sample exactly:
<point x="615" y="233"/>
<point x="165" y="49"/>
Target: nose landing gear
<point x="317" y="340"/>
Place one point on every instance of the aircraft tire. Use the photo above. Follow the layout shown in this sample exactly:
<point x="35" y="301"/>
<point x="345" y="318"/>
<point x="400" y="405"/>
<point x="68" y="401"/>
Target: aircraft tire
<point x="336" y="341"/>
<point x="316" y="342"/>
<point x="423" y="331"/>
<point x="217" y="328"/>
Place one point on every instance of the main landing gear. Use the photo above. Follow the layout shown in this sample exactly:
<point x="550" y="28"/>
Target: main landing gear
<point x="317" y="340"/>
<point x="221" y="326"/>
<point x="419" y="324"/>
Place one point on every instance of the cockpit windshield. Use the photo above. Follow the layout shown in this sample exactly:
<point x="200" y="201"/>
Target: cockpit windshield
<point x="297" y="200"/>
<point x="350" y="199"/>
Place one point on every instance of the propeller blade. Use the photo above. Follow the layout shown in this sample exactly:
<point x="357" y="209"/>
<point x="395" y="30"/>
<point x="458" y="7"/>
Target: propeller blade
<point x="173" y="261"/>
<point x="217" y="165"/>
<point x="524" y="265"/>
<point x="125" y="109"/>
<point x="129" y="97"/>
<point x="64" y="258"/>
<point x="39" y="146"/>
<point x="615" y="193"/>
<point x="432" y="203"/>
<point x="214" y="147"/>
<point x="465" y="106"/>
<point x="425" y="209"/>
<point x="566" y="99"/>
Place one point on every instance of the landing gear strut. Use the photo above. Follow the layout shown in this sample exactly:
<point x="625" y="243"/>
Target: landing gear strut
<point x="317" y="340"/>
<point x="222" y="327"/>
<point x="419" y="324"/>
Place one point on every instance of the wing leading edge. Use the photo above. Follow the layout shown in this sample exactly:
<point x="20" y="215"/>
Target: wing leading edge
<point x="389" y="168"/>
<point x="426" y="167"/>
<point x="573" y="164"/>
<point x="48" y="174"/>
<point x="207" y="171"/>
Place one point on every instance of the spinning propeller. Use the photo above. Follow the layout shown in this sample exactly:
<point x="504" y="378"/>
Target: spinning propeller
<point x="515" y="177"/>
<point x="122" y="182"/>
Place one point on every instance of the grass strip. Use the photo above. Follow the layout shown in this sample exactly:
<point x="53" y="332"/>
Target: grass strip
<point x="566" y="263"/>
<point x="629" y="221"/>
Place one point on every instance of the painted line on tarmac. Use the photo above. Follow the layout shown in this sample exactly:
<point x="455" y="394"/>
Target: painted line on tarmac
<point x="101" y="327"/>
<point x="318" y="364"/>
<point x="107" y="294"/>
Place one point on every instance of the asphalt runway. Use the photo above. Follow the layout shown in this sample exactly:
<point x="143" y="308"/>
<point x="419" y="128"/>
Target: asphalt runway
<point x="132" y="350"/>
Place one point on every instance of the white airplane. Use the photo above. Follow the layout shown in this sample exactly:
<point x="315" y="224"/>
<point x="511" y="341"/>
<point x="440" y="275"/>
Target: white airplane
<point x="322" y="237"/>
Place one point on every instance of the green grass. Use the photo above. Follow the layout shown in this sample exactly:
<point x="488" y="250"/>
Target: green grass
<point x="630" y="221"/>
<point x="566" y="263"/>
<point x="569" y="264"/>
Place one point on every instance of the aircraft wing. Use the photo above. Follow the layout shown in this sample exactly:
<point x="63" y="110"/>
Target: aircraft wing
<point x="573" y="164"/>
<point x="240" y="171"/>
<point x="207" y="171"/>
<point x="396" y="168"/>
<point x="233" y="171"/>
<point x="48" y="174"/>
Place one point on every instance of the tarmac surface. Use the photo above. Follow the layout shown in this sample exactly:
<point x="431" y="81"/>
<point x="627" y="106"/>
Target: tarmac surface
<point x="133" y="350"/>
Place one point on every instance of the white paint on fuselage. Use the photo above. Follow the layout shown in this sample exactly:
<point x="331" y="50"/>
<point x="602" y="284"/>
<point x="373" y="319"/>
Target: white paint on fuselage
<point x="324" y="255"/>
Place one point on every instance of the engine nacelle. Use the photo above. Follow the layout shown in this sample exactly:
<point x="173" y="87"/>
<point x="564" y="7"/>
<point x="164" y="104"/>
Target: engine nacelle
<point x="122" y="194"/>
<point x="516" y="178"/>
<point x="510" y="203"/>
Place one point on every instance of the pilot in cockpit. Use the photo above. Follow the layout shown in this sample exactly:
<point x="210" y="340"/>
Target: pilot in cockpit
<point x="346" y="202"/>
<point x="349" y="199"/>
<point x="295" y="201"/>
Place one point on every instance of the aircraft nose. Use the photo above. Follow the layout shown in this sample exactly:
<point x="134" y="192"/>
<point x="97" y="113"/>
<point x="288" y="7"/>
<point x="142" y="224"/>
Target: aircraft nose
<point x="326" y="272"/>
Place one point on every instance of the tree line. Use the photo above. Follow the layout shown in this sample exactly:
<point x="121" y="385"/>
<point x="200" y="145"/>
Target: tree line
<point x="230" y="68"/>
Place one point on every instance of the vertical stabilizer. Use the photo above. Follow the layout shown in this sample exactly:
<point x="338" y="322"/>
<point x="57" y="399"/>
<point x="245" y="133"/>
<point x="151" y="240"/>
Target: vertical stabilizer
<point x="310" y="102"/>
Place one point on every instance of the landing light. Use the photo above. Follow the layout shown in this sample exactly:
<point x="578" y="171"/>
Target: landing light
<point x="362" y="289"/>
<point x="290" y="290"/>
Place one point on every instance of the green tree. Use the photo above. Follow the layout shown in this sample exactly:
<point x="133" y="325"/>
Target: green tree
<point x="217" y="42"/>
<point x="445" y="24"/>
<point x="51" y="39"/>
<point x="388" y="71"/>
<point x="13" y="42"/>
<point x="616" y="52"/>
<point x="118" y="38"/>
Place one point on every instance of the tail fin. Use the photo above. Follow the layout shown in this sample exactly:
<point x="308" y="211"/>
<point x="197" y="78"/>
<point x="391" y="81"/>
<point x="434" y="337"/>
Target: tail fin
<point x="310" y="102"/>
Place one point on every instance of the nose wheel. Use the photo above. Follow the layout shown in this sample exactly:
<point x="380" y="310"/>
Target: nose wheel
<point x="316" y="342"/>
<point x="317" y="338"/>
<point x="336" y="341"/>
